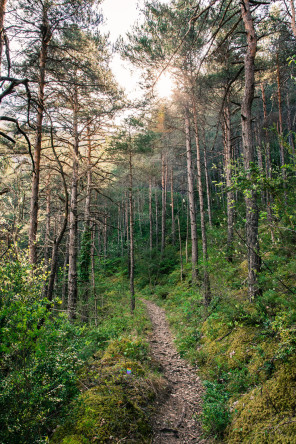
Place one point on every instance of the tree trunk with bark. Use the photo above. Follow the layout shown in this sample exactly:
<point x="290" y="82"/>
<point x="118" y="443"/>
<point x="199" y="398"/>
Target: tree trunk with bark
<point x="85" y="275"/>
<point x="268" y="165"/>
<point x="150" y="217"/>
<point x="65" y="276"/>
<point x="206" y="279"/>
<point x="47" y="225"/>
<point x="252" y="240"/>
<point x="105" y="236"/>
<point x="180" y="248"/>
<point x="72" y="272"/>
<point x="156" y="219"/>
<point x="131" y="243"/>
<point x="163" y="201"/>
<point x="93" y="281"/>
<point x="228" y="158"/>
<point x="293" y="24"/>
<point x="281" y="132"/>
<point x="291" y="135"/>
<point x="2" y="14"/>
<point x="207" y="180"/>
<point x="45" y="39"/>
<point x="172" y="207"/>
<point x="192" y="211"/>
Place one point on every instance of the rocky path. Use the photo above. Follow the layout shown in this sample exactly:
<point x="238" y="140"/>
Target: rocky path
<point x="177" y="418"/>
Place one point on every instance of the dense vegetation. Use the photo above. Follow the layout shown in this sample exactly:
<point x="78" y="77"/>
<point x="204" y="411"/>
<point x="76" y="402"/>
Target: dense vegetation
<point x="188" y="201"/>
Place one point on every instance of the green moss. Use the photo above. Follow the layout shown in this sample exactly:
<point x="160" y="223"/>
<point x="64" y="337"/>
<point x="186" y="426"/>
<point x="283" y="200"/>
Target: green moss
<point x="74" y="439"/>
<point x="267" y="413"/>
<point x="117" y="405"/>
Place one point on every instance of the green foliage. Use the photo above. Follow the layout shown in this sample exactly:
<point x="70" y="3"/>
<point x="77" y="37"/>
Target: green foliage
<point x="39" y="355"/>
<point x="42" y="354"/>
<point x="215" y="414"/>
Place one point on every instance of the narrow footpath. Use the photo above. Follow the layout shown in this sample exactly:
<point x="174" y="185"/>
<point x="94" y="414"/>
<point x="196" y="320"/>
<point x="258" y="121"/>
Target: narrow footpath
<point x="178" y="416"/>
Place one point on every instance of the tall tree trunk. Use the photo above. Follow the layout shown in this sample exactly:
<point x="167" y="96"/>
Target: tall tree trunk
<point x="291" y="135"/>
<point x="85" y="275"/>
<point x="192" y="211"/>
<point x="187" y="232"/>
<point x="156" y="219"/>
<point x="89" y="181"/>
<point x="118" y="227"/>
<point x="268" y="166"/>
<point x="227" y="167"/>
<point x="293" y="24"/>
<point x="163" y="201"/>
<point x="122" y="228"/>
<point x="105" y="240"/>
<point x="47" y="225"/>
<point x="207" y="180"/>
<point x="150" y="217"/>
<point x="281" y="133"/>
<point x="131" y="244"/>
<point x="65" y="276"/>
<point x="93" y="282"/>
<point x="180" y="249"/>
<point x="139" y="215"/>
<point x="54" y="256"/>
<point x="206" y="279"/>
<point x="172" y="207"/>
<point x="45" y="38"/>
<point x="60" y="235"/>
<point x="254" y="262"/>
<point x="72" y="272"/>
<point x="2" y="14"/>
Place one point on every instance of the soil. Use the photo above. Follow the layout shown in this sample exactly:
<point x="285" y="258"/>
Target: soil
<point x="177" y="419"/>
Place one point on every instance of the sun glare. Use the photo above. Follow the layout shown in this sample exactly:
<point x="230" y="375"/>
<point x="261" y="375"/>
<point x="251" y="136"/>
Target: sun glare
<point x="165" y="85"/>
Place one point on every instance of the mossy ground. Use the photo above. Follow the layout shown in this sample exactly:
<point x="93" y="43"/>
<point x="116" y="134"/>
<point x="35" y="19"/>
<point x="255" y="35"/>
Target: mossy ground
<point x="244" y="350"/>
<point x="119" y="383"/>
<point x="118" y="402"/>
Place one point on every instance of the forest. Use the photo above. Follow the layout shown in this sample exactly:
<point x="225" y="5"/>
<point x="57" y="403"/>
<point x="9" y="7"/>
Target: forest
<point x="147" y="246"/>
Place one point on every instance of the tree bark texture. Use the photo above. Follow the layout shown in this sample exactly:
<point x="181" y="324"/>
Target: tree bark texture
<point x="150" y="217"/>
<point x="85" y="289"/>
<point x="131" y="243"/>
<point x="45" y="39"/>
<point x="192" y="211"/>
<point x="206" y="280"/>
<point x="47" y="225"/>
<point x="254" y="262"/>
<point x="268" y="165"/>
<point x="2" y="14"/>
<point x="172" y="207"/>
<point x="156" y="219"/>
<point x="291" y="135"/>
<point x="227" y="168"/>
<point x="73" y="241"/>
<point x="281" y="133"/>
<point x="293" y="24"/>
<point x="180" y="248"/>
<point x="163" y="201"/>
<point x="207" y="181"/>
<point x="93" y="281"/>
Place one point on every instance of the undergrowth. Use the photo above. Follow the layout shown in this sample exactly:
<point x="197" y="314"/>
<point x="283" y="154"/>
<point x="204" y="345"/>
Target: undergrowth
<point x="244" y="351"/>
<point x="44" y="357"/>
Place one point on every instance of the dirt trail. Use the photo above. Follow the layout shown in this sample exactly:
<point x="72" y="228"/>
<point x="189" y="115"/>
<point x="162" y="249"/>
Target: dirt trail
<point x="177" y="418"/>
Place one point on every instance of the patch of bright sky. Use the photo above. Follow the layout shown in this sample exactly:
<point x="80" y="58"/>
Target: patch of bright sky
<point x="119" y="17"/>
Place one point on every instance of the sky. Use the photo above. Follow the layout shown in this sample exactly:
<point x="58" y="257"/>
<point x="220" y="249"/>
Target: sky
<point x="119" y="17"/>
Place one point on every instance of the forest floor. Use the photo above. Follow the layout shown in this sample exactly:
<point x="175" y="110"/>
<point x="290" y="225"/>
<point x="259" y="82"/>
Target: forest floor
<point x="178" y="414"/>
